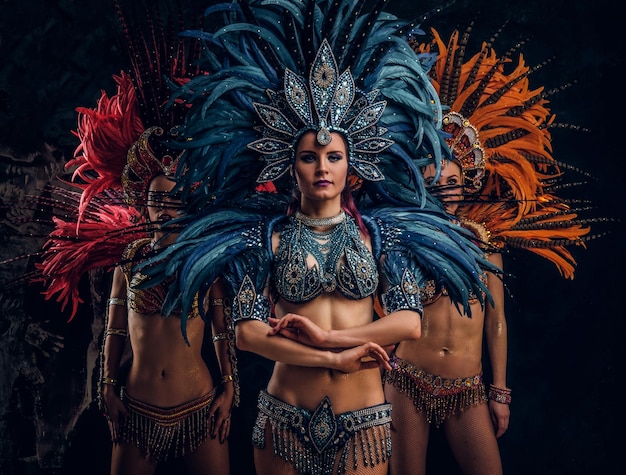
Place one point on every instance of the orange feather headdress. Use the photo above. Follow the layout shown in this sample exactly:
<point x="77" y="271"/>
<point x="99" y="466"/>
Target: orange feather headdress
<point x="498" y="131"/>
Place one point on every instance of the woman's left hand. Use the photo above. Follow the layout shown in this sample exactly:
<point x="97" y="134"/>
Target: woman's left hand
<point x="500" y="415"/>
<point x="367" y="356"/>
<point x="300" y="329"/>
<point x="220" y="413"/>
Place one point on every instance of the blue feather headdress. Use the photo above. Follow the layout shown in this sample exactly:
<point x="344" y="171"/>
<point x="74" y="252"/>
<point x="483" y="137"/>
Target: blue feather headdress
<point x="281" y="67"/>
<point x="284" y="67"/>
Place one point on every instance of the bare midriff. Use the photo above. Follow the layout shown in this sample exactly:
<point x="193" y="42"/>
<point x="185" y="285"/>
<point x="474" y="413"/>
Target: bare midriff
<point x="306" y="387"/>
<point x="166" y="371"/>
<point x="451" y="342"/>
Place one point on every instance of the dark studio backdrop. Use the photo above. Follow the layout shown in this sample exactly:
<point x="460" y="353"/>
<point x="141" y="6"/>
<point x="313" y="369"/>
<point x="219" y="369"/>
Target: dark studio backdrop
<point x="566" y="338"/>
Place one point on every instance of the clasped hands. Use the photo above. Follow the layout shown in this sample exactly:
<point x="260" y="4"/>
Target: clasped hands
<point x="301" y="329"/>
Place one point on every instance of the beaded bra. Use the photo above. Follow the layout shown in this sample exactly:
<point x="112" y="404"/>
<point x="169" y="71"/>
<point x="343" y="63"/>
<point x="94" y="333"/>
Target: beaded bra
<point x="342" y="262"/>
<point x="146" y="301"/>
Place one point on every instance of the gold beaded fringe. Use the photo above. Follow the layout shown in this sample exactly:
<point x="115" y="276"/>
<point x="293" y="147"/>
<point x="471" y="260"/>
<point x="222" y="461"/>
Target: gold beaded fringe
<point x="437" y="398"/>
<point x="161" y="434"/>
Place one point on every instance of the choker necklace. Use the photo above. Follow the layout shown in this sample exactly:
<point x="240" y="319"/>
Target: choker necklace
<point x="320" y="222"/>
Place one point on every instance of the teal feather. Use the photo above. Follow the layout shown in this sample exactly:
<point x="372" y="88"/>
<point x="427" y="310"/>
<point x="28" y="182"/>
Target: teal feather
<point x="227" y="223"/>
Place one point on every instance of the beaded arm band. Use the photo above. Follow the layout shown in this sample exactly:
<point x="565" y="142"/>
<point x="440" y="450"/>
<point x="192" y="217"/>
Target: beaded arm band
<point x="116" y="301"/>
<point x="503" y="396"/>
<point x="220" y="336"/>
<point x="229" y="337"/>
<point x="116" y="331"/>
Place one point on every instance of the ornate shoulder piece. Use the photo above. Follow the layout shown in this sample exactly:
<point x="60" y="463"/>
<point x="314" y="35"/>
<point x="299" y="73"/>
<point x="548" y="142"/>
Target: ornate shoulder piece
<point x="405" y="296"/>
<point x="249" y="304"/>
<point x="483" y="235"/>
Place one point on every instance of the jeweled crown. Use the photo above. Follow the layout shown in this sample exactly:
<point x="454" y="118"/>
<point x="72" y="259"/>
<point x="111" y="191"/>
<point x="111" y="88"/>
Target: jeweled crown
<point x="328" y="102"/>
<point x="466" y="149"/>
<point x="146" y="158"/>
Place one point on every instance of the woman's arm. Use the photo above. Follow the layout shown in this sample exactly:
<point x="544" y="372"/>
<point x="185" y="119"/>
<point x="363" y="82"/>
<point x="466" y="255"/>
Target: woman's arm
<point x="221" y="408"/>
<point x="115" y="337"/>
<point x="397" y="326"/>
<point x="256" y="336"/>
<point x="496" y="340"/>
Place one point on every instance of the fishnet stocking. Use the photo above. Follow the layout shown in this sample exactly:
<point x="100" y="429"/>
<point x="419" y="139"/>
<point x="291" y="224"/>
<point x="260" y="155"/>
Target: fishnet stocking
<point x="409" y="435"/>
<point x="469" y="433"/>
<point x="472" y="439"/>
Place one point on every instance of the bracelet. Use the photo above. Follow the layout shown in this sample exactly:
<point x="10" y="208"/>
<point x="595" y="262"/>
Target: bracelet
<point x="219" y="302"/>
<point x="220" y="336"/>
<point x="112" y="381"/>
<point x="227" y="378"/>
<point x="116" y="301"/>
<point x="503" y="396"/>
<point x="116" y="331"/>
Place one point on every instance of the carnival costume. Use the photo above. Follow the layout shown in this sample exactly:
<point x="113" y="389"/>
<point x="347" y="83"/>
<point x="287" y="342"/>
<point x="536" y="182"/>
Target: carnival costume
<point x="165" y="434"/>
<point x="436" y="397"/>
<point x="282" y="69"/>
<point x="278" y="70"/>
<point x="124" y="144"/>
<point x="304" y="436"/>
<point x="498" y="133"/>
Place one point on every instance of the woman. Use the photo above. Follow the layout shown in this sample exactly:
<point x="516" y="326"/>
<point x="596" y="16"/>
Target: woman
<point x="325" y="388"/>
<point x="301" y="91"/>
<point x="499" y="185"/>
<point x="439" y="379"/>
<point x="169" y="406"/>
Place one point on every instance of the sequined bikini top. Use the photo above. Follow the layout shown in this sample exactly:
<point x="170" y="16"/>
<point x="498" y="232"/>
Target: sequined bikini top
<point x="342" y="262"/>
<point x="146" y="301"/>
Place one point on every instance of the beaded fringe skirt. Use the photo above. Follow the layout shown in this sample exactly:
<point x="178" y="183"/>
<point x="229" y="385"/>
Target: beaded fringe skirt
<point x="317" y="442"/>
<point x="162" y="434"/>
<point x="435" y="397"/>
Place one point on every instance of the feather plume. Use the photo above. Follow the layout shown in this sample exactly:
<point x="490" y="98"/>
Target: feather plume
<point x="512" y="119"/>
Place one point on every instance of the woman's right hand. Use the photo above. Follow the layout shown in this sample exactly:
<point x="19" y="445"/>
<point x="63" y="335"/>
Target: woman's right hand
<point x="220" y="412"/>
<point x="367" y="356"/>
<point x="114" y="409"/>
<point x="298" y="328"/>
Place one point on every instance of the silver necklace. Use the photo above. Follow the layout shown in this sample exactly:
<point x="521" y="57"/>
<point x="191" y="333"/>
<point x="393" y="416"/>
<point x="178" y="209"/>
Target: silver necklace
<point x="320" y="222"/>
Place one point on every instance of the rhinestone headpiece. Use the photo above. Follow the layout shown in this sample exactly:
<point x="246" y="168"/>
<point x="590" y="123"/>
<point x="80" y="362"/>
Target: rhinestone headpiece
<point x="466" y="149"/>
<point x="329" y="102"/>
<point x="146" y="158"/>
